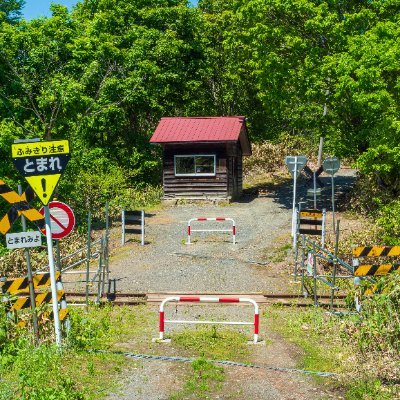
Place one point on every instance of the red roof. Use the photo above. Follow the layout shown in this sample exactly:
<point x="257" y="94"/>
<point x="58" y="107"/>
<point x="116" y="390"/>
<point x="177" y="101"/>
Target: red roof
<point x="202" y="129"/>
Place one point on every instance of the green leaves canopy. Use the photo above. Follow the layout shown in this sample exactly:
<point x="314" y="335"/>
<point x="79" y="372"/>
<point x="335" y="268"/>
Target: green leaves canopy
<point x="103" y="74"/>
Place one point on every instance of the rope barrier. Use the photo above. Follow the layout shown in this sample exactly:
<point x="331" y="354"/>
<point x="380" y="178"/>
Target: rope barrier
<point x="219" y="362"/>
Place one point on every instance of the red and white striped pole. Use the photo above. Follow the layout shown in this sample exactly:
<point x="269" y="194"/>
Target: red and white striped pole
<point x="199" y="299"/>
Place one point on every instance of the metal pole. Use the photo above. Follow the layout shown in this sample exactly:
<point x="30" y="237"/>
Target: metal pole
<point x="88" y="261"/>
<point x="335" y="263"/>
<point x="105" y="253"/>
<point x="123" y="228"/>
<point x="333" y="203"/>
<point x="57" y="325"/>
<point x="323" y="228"/>
<point x="30" y="279"/>
<point x="295" y="232"/>
<point x="321" y="145"/>
<point x="294" y="198"/>
<point x="142" y="226"/>
<point x="315" y="276"/>
<point x="315" y="189"/>
<point x="302" y="267"/>
<point x="296" y="258"/>
<point x="104" y="266"/>
<point x="99" y="283"/>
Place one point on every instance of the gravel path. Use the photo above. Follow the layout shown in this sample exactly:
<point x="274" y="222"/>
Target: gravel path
<point x="213" y="264"/>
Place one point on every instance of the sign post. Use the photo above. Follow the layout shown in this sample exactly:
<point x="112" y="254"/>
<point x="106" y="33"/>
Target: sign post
<point x="313" y="181"/>
<point x="57" y="324"/>
<point x="331" y="166"/>
<point x="42" y="163"/>
<point x="295" y="164"/>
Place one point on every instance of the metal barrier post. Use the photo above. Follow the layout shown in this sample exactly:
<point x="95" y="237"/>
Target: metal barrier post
<point x="88" y="253"/>
<point x="188" y="232"/>
<point x="123" y="228"/>
<point x="106" y="238"/>
<point x="323" y="227"/>
<point x="315" y="276"/>
<point x="302" y="266"/>
<point x="142" y="226"/>
<point x="100" y="271"/>
<point x="295" y="230"/>
<point x="196" y="299"/>
<point x="335" y="263"/>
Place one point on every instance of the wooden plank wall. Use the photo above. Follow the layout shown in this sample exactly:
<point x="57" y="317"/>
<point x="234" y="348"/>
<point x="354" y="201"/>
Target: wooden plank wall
<point x="195" y="186"/>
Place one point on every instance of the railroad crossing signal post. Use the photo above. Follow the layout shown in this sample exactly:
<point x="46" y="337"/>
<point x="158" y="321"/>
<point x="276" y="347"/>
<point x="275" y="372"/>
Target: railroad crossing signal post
<point x="313" y="181"/>
<point x="295" y="164"/>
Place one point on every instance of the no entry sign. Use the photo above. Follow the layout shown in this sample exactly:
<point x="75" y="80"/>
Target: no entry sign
<point x="62" y="219"/>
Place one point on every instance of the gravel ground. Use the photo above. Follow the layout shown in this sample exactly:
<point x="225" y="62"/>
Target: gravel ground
<point x="256" y="263"/>
<point x="212" y="262"/>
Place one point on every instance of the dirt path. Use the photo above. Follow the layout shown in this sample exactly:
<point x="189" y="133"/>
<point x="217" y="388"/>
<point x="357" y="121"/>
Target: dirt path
<point x="213" y="264"/>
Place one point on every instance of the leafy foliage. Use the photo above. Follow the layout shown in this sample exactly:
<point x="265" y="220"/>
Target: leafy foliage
<point x="103" y="74"/>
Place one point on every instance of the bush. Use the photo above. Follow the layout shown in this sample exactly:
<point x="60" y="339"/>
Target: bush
<point x="380" y="326"/>
<point x="389" y="221"/>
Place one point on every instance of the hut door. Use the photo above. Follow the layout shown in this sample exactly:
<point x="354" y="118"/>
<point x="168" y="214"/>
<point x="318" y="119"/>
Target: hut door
<point x="233" y="175"/>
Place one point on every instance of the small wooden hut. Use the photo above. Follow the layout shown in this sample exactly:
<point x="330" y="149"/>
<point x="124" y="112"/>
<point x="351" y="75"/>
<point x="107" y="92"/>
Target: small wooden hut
<point x="202" y="156"/>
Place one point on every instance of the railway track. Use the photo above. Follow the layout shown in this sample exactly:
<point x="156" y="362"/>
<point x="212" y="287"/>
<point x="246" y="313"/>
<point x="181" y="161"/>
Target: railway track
<point x="131" y="299"/>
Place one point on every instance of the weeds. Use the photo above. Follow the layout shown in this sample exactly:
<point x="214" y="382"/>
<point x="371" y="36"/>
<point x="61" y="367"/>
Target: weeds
<point x="45" y="373"/>
<point x="205" y="378"/>
<point x="213" y="343"/>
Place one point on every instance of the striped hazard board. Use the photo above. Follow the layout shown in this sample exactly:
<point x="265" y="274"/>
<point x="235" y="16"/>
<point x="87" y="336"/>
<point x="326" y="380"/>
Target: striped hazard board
<point x="20" y="205"/>
<point x="21" y="285"/>
<point x="369" y="269"/>
<point x="40" y="298"/>
<point x="375" y="270"/>
<point x="63" y="314"/>
<point x="311" y="222"/>
<point x="316" y="214"/>
<point x="376" y="251"/>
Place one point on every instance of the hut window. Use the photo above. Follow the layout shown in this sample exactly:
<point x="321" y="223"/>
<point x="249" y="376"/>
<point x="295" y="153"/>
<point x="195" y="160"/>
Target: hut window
<point x="195" y="165"/>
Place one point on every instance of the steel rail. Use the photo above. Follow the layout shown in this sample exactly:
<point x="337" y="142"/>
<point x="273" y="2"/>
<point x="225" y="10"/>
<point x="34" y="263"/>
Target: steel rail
<point x="156" y="294"/>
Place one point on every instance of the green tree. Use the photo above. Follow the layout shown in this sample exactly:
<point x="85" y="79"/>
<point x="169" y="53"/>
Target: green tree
<point x="10" y="10"/>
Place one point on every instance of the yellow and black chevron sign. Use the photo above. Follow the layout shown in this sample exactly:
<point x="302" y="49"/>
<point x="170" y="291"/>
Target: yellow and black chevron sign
<point x="310" y="213"/>
<point x="21" y="285"/>
<point x="63" y="313"/>
<point x="20" y="205"/>
<point x="375" y="270"/>
<point x="376" y="251"/>
<point x="41" y="298"/>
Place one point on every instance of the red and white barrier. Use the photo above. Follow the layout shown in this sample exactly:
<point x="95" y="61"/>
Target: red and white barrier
<point x="198" y="299"/>
<point x="190" y="230"/>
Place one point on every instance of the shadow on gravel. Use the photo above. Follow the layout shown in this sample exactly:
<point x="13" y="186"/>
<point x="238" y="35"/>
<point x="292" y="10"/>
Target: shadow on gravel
<point x="283" y="193"/>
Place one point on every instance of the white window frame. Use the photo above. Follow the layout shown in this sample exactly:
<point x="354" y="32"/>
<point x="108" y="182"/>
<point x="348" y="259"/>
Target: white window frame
<point x="196" y="173"/>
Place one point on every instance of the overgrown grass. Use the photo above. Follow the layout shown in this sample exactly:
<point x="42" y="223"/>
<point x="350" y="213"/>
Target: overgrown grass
<point x="204" y="379"/>
<point x="315" y="333"/>
<point x="212" y="343"/>
<point x="42" y="372"/>
<point x="343" y="345"/>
